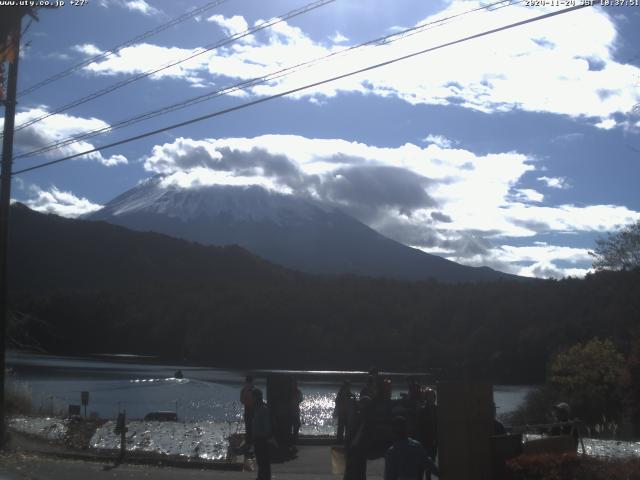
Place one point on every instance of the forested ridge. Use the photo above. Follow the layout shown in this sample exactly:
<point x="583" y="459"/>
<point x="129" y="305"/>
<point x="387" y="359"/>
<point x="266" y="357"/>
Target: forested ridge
<point x="85" y="287"/>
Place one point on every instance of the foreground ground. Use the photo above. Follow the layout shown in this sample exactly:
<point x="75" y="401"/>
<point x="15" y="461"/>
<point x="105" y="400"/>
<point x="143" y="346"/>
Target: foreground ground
<point x="572" y="467"/>
<point x="312" y="463"/>
<point x="31" y="458"/>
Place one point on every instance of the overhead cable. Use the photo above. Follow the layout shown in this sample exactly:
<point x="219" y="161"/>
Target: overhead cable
<point x="305" y="87"/>
<point x="225" y="41"/>
<point x="251" y="83"/>
<point x="104" y="55"/>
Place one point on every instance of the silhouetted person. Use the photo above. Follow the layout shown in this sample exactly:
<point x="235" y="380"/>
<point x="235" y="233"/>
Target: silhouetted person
<point x="427" y="424"/>
<point x="414" y="390"/>
<point x="406" y="458"/>
<point x="296" y="401"/>
<point x="358" y="440"/>
<point x="561" y="413"/>
<point x="262" y="434"/>
<point x="385" y="388"/>
<point x="341" y="411"/>
<point x="370" y="390"/>
<point x="247" y="400"/>
<point x="178" y="374"/>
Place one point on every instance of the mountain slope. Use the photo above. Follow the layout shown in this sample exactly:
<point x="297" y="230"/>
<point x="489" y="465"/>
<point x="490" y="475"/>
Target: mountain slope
<point x="290" y="231"/>
<point x="51" y="252"/>
<point x="81" y="287"/>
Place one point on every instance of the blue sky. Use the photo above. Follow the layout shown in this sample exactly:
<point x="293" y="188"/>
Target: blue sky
<point x="515" y="150"/>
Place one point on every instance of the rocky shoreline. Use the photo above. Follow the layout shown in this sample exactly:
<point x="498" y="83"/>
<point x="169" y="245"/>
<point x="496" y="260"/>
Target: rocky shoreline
<point x="163" y="443"/>
<point x="204" y="442"/>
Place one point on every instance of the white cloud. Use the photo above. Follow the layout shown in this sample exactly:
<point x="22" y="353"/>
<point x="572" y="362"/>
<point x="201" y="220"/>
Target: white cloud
<point x="568" y="56"/>
<point x="59" y="202"/>
<point x="114" y="160"/>
<point x="230" y="25"/>
<point x="145" y="57"/>
<point x="538" y="253"/>
<point x="133" y="5"/>
<point x="533" y="261"/>
<point x="448" y="201"/>
<point x="555" y="182"/>
<point x="558" y="65"/>
<point x="182" y="154"/>
<point x="546" y="269"/>
<point x="88" y="49"/>
<point x="528" y="195"/>
<point x="202" y="177"/>
<point x="569" y="218"/>
<point x="55" y="128"/>
<point x="606" y="124"/>
<point x="439" y="140"/>
<point x="141" y="6"/>
<point x="339" y="38"/>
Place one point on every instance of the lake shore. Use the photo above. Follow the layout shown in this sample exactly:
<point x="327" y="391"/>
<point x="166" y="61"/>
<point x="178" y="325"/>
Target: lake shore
<point x="30" y="457"/>
<point x="76" y="440"/>
<point x="203" y="394"/>
<point x="193" y="441"/>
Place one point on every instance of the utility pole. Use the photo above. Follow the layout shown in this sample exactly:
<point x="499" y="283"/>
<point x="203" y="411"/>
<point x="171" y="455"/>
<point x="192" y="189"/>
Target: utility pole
<point x="11" y="42"/>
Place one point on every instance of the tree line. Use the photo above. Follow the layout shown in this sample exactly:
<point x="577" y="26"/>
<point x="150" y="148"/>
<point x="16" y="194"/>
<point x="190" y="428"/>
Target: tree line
<point x="85" y="287"/>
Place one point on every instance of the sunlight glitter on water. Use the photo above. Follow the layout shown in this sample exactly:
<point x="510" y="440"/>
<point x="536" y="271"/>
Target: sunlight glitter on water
<point x="611" y="448"/>
<point x="204" y="439"/>
<point x="159" y="380"/>
<point x="316" y="414"/>
<point x="45" y="427"/>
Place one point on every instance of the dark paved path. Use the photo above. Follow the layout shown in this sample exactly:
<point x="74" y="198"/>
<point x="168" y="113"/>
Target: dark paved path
<point x="313" y="463"/>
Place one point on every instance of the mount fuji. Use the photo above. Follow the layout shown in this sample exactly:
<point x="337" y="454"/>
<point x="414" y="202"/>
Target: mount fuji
<point x="284" y="229"/>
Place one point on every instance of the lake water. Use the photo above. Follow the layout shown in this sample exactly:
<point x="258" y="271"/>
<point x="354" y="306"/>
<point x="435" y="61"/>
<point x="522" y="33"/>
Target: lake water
<point x="206" y="401"/>
<point x="204" y="394"/>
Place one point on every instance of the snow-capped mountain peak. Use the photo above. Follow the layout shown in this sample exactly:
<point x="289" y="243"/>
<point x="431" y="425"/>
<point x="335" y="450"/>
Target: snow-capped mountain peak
<point x="294" y="232"/>
<point x="238" y="203"/>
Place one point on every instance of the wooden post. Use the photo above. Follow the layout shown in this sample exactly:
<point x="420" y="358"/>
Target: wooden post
<point x="121" y="428"/>
<point x="465" y="425"/>
<point x="5" y="198"/>
<point x="279" y="399"/>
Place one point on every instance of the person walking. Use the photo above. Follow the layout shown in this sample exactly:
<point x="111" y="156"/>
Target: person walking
<point x="262" y="435"/>
<point x="247" y="400"/>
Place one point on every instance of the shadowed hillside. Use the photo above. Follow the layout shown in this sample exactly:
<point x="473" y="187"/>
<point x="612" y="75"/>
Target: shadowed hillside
<point x="95" y="287"/>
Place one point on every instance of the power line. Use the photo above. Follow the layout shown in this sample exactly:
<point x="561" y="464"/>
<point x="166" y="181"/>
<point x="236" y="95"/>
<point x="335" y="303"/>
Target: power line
<point x="221" y="43"/>
<point x="101" y="56"/>
<point x="385" y="40"/>
<point x="305" y="87"/>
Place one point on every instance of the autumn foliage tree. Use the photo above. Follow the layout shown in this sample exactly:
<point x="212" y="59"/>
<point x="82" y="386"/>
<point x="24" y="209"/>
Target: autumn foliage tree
<point x="589" y="376"/>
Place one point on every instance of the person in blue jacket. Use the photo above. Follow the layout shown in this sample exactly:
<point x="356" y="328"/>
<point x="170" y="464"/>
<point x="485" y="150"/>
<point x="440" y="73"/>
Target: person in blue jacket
<point x="406" y="458"/>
